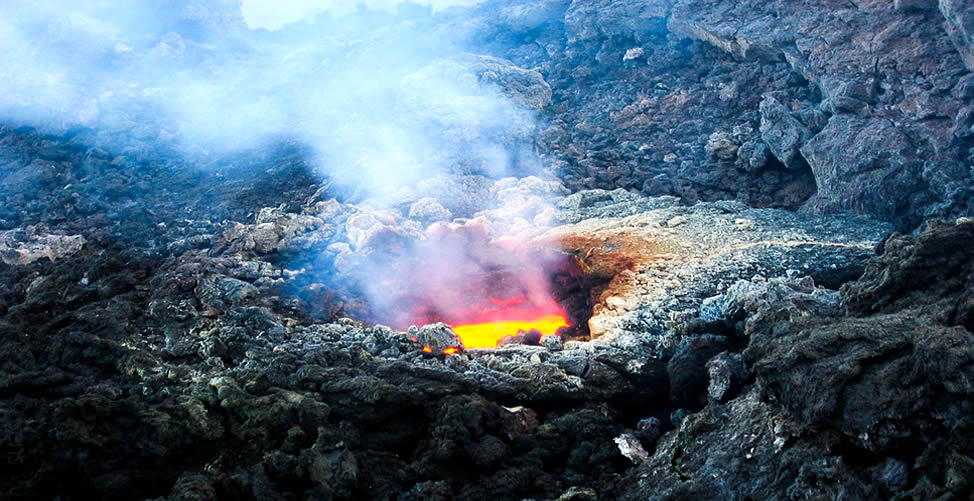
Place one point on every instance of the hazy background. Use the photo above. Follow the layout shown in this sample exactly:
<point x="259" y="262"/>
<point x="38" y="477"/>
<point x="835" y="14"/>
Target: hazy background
<point x="379" y="91"/>
<point x="273" y="15"/>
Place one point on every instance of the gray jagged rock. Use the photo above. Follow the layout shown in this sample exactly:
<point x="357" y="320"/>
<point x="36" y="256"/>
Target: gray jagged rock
<point x="862" y="162"/>
<point x="782" y="132"/>
<point x="587" y="20"/>
<point x="25" y="247"/>
<point x="219" y="293"/>
<point x="960" y="26"/>
<point x="879" y="153"/>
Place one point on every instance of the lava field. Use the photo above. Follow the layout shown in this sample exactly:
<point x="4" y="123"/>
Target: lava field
<point x="569" y="250"/>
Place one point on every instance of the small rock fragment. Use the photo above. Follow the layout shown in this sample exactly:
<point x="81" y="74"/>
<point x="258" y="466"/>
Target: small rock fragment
<point x="676" y="221"/>
<point x="579" y="494"/>
<point x="553" y="343"/>
<point x="649" y="430"/>
<point x="727" y="375"/>
<point x="721" y="146"/>
<point x="429" y="209"/>
<point x="630" y="447"/>
<point x="634" y="53"/>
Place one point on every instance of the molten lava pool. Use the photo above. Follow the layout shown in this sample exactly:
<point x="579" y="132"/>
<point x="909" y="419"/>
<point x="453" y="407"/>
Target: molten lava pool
<point x="489" y="334"/>
<point x="487" y="289"/>
<point x="486" y="324"/>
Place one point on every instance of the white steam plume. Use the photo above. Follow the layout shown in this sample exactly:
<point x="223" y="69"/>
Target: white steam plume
<point x="277" y="14"/>
<point x="383" y="94"/>
<point x="369" y="90"/>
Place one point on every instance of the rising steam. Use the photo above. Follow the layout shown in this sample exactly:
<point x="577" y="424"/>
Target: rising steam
<point x="381" y="92"/>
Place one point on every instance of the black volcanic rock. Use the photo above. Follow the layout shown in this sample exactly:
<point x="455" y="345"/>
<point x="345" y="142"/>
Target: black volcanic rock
<point x="889" y="131"/>
<point x="873" y="401"/>
<point x="960" y="26"/>
<point x="865" y="164"/>
<point x="872" y="101"/>
<point x="926" y="273"/>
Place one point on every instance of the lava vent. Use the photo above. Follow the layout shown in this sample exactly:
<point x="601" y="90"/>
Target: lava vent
<point x="490" y="291"/>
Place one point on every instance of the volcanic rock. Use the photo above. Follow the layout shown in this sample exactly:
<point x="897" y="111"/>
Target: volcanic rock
<point x="877" y="396"/>
<point x="728" y="373"/>
<point x="874" y="154"/>
<point x="656" y="271"/>
<point x="203" y="325"/>
<point x="782" y="132"/>
<point x="606" y="19"/>
<point x="630" y="447"/>
<point x="25" y="247"/>
<point x="960" y="27"/>
<point x="920" y="273"/>
<point x="879" y="106"/>
<point x="526" y="87"/>
<point x="429" y="209"/>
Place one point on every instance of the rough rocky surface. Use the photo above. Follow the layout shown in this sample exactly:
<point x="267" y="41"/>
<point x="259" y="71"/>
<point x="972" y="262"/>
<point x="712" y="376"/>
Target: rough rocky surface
<point x="665" y="260"/>
<point x="191" y="358"/>
<point x="198" y="364"/>
<point x="879" y="396"/>
<point x="829" y="105"/>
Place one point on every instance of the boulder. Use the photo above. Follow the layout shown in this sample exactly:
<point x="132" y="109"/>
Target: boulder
<point x="782" y="132"/>
<point x="866" y="165"/>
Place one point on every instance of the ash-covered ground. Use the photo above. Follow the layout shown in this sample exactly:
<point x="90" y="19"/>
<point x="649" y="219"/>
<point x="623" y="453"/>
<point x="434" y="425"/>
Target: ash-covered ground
<point x="719" y="182"/>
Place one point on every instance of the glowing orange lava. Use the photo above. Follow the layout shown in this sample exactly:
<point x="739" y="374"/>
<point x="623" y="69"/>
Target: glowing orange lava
<point x="489" y="334"/>
<point x="486" y="323"/>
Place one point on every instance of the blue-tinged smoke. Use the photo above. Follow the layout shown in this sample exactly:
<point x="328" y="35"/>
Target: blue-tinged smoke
<point x="385" y="95"/>
<point x="382" y="95"/>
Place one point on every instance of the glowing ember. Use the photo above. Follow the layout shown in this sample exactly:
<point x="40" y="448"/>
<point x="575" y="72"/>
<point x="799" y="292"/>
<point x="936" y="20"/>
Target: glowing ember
<point x="487" y="335"/>
<point x="486" y="324"/>
<point x="487" y="290"/>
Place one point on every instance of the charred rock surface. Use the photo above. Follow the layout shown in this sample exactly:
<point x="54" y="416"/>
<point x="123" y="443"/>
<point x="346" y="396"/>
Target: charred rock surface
<point x="848" y="398"/>
<point x="829" y="105"/>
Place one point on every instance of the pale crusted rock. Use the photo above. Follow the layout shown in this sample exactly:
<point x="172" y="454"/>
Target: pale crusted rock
<point x="630" y="447"/>
<point x="365" y="230"/>
<point x="25" y="247"/>
<point x="721" y="145"/>
<point x="634" y="53"/>
<point x="429" y="209"/>
<point x="579" y="494"/>
<point x="664" y="260"/>
<point x="676" y="221"/>
<point x="526" y="87"/>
